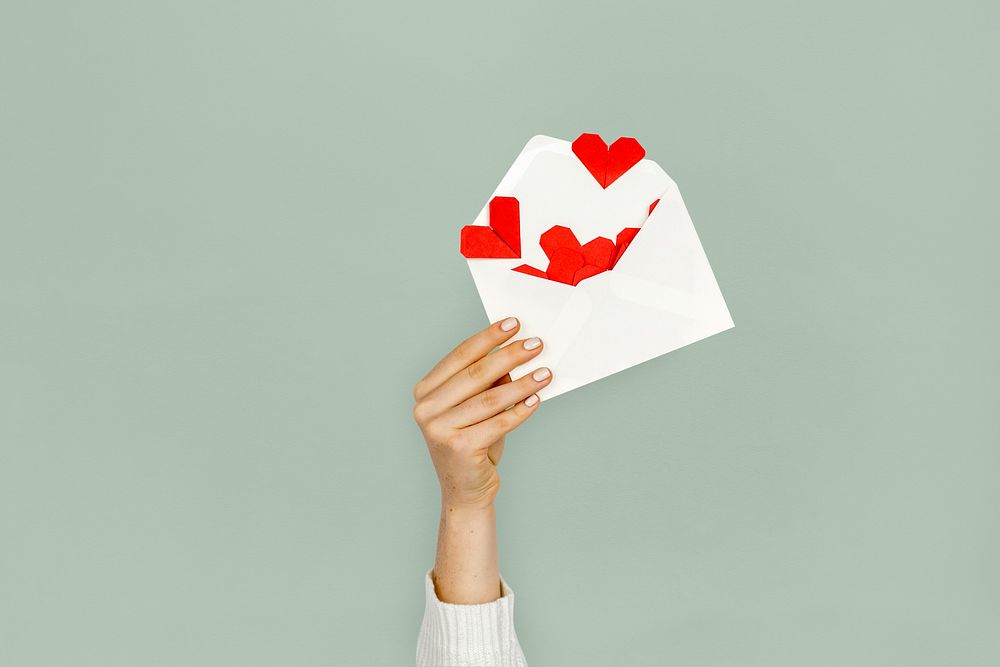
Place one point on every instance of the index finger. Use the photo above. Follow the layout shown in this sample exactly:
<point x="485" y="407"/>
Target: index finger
<point x="467" y="353"/>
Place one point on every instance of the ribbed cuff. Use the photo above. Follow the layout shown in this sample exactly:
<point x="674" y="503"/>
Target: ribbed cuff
<point x="468" y="635"/>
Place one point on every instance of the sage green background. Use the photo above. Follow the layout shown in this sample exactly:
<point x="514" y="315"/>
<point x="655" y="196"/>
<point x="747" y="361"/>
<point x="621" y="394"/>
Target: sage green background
<point x="229" y="248"/>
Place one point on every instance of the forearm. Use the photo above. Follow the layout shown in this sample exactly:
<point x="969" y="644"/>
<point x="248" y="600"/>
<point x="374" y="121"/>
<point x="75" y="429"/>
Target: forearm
<point x="467" y="570"/>
<point x="465" y="406"/>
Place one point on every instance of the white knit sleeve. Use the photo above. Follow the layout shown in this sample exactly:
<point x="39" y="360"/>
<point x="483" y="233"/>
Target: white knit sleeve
<point x="468" y="635"/>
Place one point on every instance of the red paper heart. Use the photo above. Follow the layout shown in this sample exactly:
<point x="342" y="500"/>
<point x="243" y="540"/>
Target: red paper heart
<point x="558" y="237"/>
<point x="563" y="265"/>
<point x="587" y="271"/>
<point x="502" y="239"/>
<point x="622" y="242"/>
<point x="607" y="164"/>
<point x="599" y="252"/>
<point x="571" y="263"/>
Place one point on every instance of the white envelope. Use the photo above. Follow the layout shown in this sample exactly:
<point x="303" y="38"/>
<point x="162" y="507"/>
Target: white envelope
<point x="660" y="296"/>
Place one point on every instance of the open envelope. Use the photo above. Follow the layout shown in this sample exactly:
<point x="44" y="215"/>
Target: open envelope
<point x="659" y="295"/>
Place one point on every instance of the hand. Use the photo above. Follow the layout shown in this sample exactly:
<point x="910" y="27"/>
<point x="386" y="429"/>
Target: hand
<point x="464" y="409"/>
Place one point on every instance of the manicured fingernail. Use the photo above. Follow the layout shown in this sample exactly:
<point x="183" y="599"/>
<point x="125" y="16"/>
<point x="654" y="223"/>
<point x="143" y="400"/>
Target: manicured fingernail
<point x="540" y="374"/>
<point x="508" y="324"/>
<point x="532" y="343"/>
<point x="531" y="400"/>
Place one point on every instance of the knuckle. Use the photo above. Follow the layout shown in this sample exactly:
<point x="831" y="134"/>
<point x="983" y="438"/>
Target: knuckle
<point x="509" y="420"/>
<point x="491" y="334"/>
<point x="515" y="416"/>
<point x="489" y="399"/>
<point x="455" y="440"/>
<point x="464" y="352"/>
<point x="421" y="413"/>
<point x="515" y="354"/>
<point x="434" y="431"/>
<point x="459" y="355"/>
<point x="526" y="384"/>
<point x="419" y="390"/>
<point x="477" y="371"/>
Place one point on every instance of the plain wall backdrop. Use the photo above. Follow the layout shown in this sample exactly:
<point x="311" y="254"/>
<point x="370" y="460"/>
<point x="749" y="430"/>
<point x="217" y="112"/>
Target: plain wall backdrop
<point x="229" y="247"/>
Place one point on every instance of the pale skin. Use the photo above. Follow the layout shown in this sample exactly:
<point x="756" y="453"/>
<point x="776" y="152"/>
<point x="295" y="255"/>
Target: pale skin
<point x="465" y="406"/>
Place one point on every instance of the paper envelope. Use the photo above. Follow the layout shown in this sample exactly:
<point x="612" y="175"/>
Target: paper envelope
<point x="661" y="294"/>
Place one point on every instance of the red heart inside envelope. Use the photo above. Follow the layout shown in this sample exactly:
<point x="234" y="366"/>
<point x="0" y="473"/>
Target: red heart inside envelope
<point x="570" y="262"/>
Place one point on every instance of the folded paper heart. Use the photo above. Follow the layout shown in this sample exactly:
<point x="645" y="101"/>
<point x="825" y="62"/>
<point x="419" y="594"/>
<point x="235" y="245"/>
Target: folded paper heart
<point x="502" y="239"/>
<point x="570" y="262"/>
<point x="625" y="237"/>
<point x="605" y="163"/>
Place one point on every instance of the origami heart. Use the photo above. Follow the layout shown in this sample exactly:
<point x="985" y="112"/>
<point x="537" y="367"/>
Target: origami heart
<point x="599" y="252"/>
<point x="572" y="263"/>
<point x="604" y="163"/>
<point x="624" y="237"/>
<point x="502" y="239"/>
<point x="558" y="237"/>
<point x="564" y="264"/>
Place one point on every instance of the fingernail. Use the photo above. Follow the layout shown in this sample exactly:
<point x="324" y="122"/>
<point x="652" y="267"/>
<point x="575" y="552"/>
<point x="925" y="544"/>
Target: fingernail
<point x="508" y="324"/>
<point x="531" y="400"/>
<point x="532" y="343"/>
<point x="540" y="374"/>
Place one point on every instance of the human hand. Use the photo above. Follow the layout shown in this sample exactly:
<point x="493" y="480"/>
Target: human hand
<point x="466" y="405"/>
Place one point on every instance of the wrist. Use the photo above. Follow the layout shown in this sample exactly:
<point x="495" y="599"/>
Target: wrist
<point x="466" y="517"/>
<point x="457" y="508"/>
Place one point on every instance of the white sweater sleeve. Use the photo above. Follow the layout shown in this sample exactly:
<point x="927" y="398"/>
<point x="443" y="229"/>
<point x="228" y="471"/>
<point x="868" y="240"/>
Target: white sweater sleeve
<point x="468" y="635"/>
